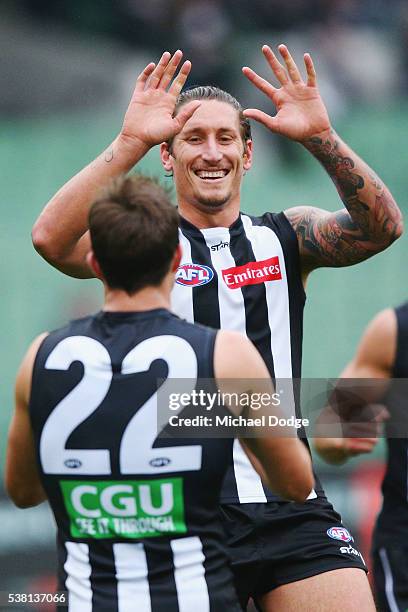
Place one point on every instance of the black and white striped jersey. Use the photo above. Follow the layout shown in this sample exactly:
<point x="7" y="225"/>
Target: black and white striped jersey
<point x="246" y="278"/>
<point x="137" y="514"/>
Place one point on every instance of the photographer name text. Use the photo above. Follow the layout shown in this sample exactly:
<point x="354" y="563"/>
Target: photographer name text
<point x="237" y="421"/>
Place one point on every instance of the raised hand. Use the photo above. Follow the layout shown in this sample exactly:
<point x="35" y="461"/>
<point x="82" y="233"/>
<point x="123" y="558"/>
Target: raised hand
<point x="149" y="117"/>
<point x="301" y="113"/>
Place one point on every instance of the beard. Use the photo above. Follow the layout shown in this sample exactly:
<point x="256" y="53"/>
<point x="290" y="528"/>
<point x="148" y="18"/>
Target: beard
<point x="213" y="203"/>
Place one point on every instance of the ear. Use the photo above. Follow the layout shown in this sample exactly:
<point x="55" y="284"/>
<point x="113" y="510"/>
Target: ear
<point x="248" y="155"/>
<point x="94" y="265"/>
<point x="165" y="156"/>
<point x="176" y="258"/>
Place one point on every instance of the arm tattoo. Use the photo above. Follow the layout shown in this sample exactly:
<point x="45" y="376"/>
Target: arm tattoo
<point x="371" y="222"/>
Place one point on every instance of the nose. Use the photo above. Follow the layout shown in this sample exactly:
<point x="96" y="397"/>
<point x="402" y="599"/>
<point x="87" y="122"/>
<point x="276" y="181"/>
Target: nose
<point x="211" y="152"/>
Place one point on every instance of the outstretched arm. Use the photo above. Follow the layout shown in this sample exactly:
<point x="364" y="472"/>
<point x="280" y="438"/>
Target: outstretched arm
<point x="372" y="219"/>
<point x="374" y="359"/>
<point x="60" y="233"/>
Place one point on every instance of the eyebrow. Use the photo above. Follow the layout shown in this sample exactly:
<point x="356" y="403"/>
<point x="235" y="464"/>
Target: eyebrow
<point x="193" y="130"/>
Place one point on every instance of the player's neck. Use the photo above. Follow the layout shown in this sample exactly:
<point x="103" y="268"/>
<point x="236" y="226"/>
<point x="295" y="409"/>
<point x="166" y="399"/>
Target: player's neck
<point x="148" y="298"/>
<point x="203" y="219"/>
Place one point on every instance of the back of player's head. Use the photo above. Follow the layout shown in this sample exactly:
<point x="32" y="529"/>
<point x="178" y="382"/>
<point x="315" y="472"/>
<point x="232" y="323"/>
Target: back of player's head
<point x="134" y="233"/>
<point x="210" y="92"/>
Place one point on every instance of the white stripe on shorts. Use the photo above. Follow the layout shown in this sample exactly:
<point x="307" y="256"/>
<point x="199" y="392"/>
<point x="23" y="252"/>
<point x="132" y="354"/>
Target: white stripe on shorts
<point x="389" y="582"/>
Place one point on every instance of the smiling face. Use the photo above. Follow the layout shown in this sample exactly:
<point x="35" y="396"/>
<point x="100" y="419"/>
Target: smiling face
<point x="208" y="159"/>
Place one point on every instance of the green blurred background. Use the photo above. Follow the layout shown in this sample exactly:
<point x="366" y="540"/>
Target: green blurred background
<point x="41" y="155"/>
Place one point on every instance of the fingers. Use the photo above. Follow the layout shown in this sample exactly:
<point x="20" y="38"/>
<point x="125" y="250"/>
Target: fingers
<point x="270" y="122"/>
<point x="356" y="446"/>
<point x="259" y="82"/>
<point x="289" y="72"/>
<point x="159" y="70"/>
<point x="311" y="73"/>
<point x="292" y="69"/>
<point x="276" y="66"/>
<point x="160" y="76"/>
<point x="171" y="69"/>
<point x="181" y="78"/>
<point x="144" y="76"/>
<point x="185" y="113"/>
<point x="381" y="413"/>
<point x="362" y="430"/>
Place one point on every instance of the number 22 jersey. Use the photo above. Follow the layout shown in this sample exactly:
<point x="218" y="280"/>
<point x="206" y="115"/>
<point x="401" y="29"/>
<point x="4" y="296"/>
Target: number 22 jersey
<point x="137" y="515"/>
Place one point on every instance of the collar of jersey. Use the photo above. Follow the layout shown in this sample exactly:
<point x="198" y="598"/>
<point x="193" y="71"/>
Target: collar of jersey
<point x="235" y="228"/>
<point x="133" y="314"/>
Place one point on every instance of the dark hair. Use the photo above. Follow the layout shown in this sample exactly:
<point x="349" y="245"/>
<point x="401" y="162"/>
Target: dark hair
<point x="134" y="232"/>
<point x="209" y="92"/>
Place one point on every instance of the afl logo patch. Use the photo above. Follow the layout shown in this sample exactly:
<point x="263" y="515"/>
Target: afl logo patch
<point x="159" y="462"/>
<point x="340" y="533"/>
<point x="73" y="463"/>
<point x="193" y="275"/>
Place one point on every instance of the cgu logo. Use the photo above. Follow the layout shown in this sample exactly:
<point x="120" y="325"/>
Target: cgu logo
<point x="122" y="500"/>
<point x="193" y="275"/>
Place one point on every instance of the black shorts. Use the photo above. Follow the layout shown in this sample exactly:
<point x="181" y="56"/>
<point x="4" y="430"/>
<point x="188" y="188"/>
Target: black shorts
<point x="390" y="569"/>
<point x="275" y="543"/>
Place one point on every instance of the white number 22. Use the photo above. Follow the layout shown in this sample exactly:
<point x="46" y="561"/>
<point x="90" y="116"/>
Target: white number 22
<point x="136" y="452"/>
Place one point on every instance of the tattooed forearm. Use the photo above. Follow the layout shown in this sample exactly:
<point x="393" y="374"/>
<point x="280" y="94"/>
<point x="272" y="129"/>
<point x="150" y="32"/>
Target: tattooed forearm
<point x="371" y="222"/>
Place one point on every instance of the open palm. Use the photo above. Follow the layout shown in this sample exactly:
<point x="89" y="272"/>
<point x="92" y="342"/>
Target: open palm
<point x="300" y="111"/>
<point x="149" y="117"/>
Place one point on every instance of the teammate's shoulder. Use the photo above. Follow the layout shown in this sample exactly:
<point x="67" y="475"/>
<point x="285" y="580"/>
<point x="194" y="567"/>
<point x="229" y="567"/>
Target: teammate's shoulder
<point x="24" y="374"/>
<point x="71" y="328"/>
<point x="377" y="345"/>
<point x="236" y="356"/>
<point x="35" y="346"/>
<point x="233" y="344"/>
<point x="383" y="325"/>
<point x="232" y="338"/>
